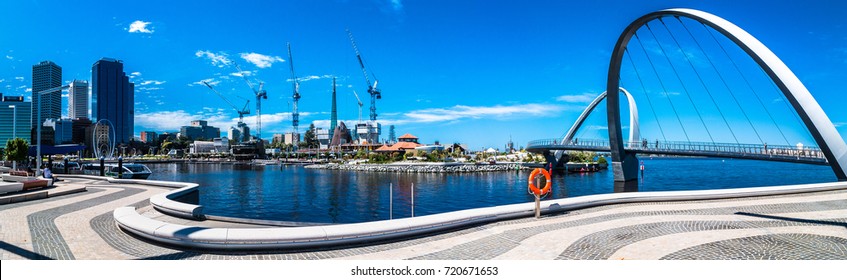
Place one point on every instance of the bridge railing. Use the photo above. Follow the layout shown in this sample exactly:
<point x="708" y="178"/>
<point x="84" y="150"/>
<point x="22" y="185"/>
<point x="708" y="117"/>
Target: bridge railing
<point x="810" y="152"/>
<point x="757" y="150"/>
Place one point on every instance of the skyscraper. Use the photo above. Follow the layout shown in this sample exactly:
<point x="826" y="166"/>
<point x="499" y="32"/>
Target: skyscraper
<point x="46" y="75"/>
<point x="14" y="119"/>
<point x="78" y="99"/>
<point x="113" y="97"/>
<point x="334" y="114"/>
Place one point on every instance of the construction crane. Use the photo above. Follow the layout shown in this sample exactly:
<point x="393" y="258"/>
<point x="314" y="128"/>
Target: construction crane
<point x="372" y="89"/>
<point x="241" y="113"/>
<point x="260" y="94"/>
<point x="360" y="105"/>
<point x="295" y="114"/>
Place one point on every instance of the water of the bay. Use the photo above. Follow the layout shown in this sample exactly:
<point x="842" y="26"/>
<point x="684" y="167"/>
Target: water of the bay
<point x="297" y="194"/>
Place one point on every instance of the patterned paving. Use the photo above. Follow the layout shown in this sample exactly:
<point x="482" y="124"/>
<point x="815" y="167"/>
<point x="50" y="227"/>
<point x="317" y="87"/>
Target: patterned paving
<point x="800" y="226"/>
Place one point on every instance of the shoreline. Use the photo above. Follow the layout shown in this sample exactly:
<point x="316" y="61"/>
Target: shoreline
<point x="428" y="167"/>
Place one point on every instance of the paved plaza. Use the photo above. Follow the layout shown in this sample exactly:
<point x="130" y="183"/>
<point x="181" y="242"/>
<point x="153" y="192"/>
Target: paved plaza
<point x="799" y="226"/>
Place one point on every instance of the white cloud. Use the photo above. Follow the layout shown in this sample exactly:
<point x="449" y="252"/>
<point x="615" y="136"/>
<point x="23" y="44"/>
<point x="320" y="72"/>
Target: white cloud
<point x="242" y="74"/>
<point x="2" y="80"/>
<point x="20" y="79"/>
<point x="672" y="93"/>
<point x="839" y="124"/>
<point x="267" y="119"/>
<point x="310" y="77"/>
<point x="173" y="120"/>
<point x="210" y="81"/>
<point x="261" y="60"/>
<point x="64" y="95"/>
<point x="139" y="27"/>
<point x="578" y="98"/>
<point x="219" y="59"/>
<point x="460" y="112"/>
<point x="28" y="90"/>
<point x="154" y="82"/>
<point x="149" y="88"/>
<point x="9" y="57"/>
<point x="134" y="74"/>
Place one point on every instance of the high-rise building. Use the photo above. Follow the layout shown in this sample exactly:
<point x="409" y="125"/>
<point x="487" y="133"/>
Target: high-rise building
<point x="148" y="137"/>
<point x="333" y="120"/>
<point x="79" y="125"/>
<point x="62" y="130"/>
<point x="46" y="75"/>
<point x="14" y="119"/>
<point x="200" y="129"/>
<point x="113" y="97"/>
<point x="239" y="133"/>
<point x="78" y="99"/>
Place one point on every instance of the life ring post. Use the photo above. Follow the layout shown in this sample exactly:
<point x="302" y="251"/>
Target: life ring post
<point x="539" y="192"/>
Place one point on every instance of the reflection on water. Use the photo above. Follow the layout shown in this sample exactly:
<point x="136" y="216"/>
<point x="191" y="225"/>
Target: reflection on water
<point x="293" y="193"/>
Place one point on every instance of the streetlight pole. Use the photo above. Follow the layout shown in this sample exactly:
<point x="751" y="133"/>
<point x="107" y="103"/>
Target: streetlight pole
<point x="39" y="124"/>
<point x="14" y="130"/>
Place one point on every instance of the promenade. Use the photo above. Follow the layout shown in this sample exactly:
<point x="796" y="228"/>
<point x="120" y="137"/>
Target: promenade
<point x="797" y="226"/>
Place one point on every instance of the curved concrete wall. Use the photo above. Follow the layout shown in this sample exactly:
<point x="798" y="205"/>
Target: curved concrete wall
<point x="162" y="202"/>
<point x="346" y="234"/>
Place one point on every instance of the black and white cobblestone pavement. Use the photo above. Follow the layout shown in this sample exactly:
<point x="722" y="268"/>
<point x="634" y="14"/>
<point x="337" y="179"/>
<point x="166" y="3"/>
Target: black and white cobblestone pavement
<point x="800" y="226"/>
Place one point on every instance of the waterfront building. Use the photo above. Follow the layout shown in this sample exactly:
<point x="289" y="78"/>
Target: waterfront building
<point x="79" y="125"/>
<point x="407" y="142"/>
<point x="221" y="144"/>
<point x="202" y="147"/>
<point x="93" y="132"/>
<point x="291" y="138"/>
<point x="277" y="138"/>
<point x="78" y="99"/>
<point x="239" y="133"/>
<point x="340" y="136"/>
<point x="113" y="97"/>
<point x="368" y="132"/>
<point x="199" y="129"/>
<point x="62" y="130"/>
<point x="14" y="119"/>
<point x="149" y="137"/>
<point x="46" y="75"/>
<point x="323" y="137"/>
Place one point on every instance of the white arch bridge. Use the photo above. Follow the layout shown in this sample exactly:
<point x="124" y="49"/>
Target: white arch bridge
<point x="830" y="150"/>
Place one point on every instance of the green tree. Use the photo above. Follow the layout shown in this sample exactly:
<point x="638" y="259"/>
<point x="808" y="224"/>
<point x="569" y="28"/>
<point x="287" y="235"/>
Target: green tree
<point x="310" y="138"/>
<point x="16" y="150"/>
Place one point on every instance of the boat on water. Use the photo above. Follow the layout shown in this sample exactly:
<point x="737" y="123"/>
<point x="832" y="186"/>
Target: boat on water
<point x="128" y="171"/>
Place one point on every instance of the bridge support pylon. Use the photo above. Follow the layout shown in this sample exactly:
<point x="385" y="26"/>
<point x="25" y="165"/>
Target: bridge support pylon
<point x="626" y="169"/>
<point x="558" y="162"/>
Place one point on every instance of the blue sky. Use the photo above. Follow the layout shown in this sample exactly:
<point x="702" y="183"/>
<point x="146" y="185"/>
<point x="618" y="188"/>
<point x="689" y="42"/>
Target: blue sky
<point x="475" y="72"/>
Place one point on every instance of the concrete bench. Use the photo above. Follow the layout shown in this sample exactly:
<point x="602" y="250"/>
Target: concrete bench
<point x="7" y="187"/>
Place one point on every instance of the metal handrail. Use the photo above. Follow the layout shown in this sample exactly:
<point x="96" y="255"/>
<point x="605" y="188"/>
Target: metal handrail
<point x="778" y="151"/>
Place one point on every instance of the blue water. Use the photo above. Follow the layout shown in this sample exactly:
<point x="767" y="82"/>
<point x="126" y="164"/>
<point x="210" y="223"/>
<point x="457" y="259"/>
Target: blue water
<point x="293" y="193"/>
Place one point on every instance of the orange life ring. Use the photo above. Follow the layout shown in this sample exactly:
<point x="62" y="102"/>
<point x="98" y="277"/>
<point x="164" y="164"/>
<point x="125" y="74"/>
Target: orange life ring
<point x="534" y="189"/>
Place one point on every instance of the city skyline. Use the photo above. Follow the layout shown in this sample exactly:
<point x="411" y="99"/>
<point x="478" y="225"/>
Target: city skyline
<point x="524" y="71"/>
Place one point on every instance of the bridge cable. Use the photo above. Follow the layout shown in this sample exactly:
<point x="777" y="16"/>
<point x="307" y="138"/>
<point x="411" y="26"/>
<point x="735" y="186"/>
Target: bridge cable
<point x="697" y="73"/>
<point x="722" y="79"/>
<point x="687" y="94"/>
<point x="664" y="89"/>
<point x="746" y="81"/>
<point x="790" y="109"/>
<point x="644" y="89"/>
